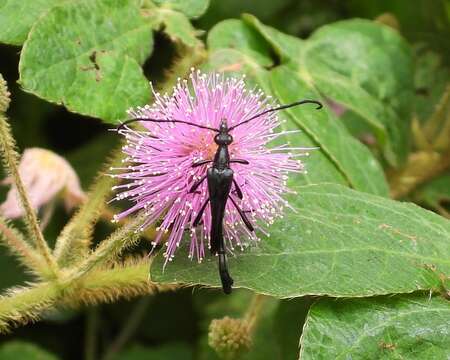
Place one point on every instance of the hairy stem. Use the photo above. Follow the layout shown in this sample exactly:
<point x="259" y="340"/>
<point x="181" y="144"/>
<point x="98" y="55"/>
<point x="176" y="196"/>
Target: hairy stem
<point x="131" y="279"/>
<point x="22" y="305"/>
<point x="73" y="242"/>
<point x="110" y="248"/>
<point x="10" y="159"/>
<point x="16" y="243"/>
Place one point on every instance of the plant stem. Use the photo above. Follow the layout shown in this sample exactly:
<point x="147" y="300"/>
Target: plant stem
<point x="111" y="247"/>
<point x="133" y="322"/>
<point x="22" y="305"/>
<point x="28" y="256"/>
<point x="254" y="311"/>
<point x="73" y="243"/>
<point x="10" y="158"/>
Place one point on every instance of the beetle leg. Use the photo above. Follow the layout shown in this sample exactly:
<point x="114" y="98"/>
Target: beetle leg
<point x="239" y="161"/>
<point x="200" y="213"/>
<point x="243" y="216"/>
<point x="197" y="184"/>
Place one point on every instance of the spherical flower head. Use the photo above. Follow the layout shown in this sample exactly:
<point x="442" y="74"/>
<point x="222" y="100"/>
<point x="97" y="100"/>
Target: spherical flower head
<point x="160" y="159"/>
<point x="229" y="337"/>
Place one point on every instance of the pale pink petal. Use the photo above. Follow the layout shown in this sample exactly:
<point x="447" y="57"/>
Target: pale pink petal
<point x="45" y="175"/>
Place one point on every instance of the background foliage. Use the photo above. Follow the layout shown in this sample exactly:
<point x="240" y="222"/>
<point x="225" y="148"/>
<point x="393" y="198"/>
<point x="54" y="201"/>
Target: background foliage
<point x="351" y="274"/>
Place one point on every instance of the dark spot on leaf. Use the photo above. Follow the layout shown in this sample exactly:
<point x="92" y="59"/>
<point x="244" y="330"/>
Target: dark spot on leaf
<point x="386" y="346"/>
<point x="93" y="59"/>
<point x="431" y="267"/>
<point x="95" y="66"/>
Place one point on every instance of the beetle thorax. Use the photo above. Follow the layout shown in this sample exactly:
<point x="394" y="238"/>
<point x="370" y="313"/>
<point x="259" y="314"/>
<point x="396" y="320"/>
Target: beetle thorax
<point x="223" y="137"/>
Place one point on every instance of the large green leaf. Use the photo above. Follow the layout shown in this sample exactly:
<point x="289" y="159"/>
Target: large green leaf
<point x="18" y="16"/>
<point x="92" y="67"/>
<point x="364" y="66"/>
<point x="234" y="34"/>
<point x="351" y="157"/>
<point x="287" y="47"/>
<point x="236" y="47"/>
<point x="339" y="242"/>
<point x="403" y="327"/>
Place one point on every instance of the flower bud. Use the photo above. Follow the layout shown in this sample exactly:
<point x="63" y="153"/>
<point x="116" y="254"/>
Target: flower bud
<point x="230" y="338"/>
<point x="45" y="176"/>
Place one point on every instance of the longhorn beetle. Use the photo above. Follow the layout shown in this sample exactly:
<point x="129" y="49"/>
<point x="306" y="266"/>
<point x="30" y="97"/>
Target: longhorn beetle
<point x="220" y="180"/>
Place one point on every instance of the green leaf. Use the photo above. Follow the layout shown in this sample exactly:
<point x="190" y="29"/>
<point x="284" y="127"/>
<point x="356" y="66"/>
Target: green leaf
<point x="403" y="327"/>
<point x="234" y="34"/>
<point x="286" y="47"/>
<point x="338" y="242"/>
<point x="175" y="24"/>
<point x="351" y="157"/>
<point x="168" y="351"/>
<point x="191" y="8"/>
<point x="347" y="62"/>
<point x="341" y="159"/>
<point x="18" y="16"/>
<point x="96" y="69"/>
<point x="15" y="350"/>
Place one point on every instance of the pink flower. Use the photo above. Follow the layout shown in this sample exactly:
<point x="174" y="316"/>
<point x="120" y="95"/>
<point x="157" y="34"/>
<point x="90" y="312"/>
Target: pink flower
<point x="45" y="175"/>
<point x="160" y="174"/>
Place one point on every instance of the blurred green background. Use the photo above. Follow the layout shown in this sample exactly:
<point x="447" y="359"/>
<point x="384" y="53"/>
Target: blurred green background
<point x="173" y="325"/>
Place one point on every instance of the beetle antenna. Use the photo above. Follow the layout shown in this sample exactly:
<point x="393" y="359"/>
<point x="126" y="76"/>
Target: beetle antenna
<point x="318" y="103"/>
<point x="121" y="126"/>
